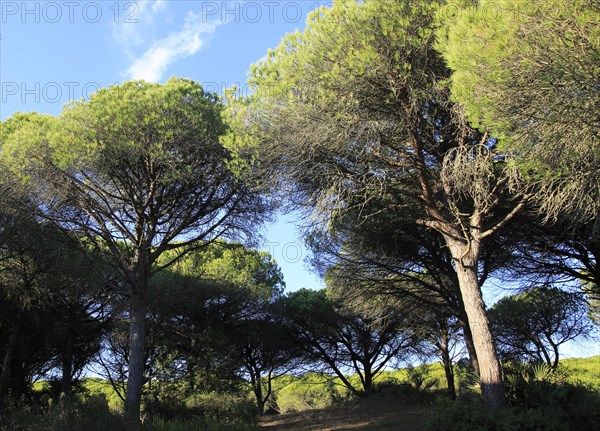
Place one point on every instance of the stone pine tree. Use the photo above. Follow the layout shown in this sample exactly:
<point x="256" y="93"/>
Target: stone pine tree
<point x="536" y="85"/>
<point x="140" y="170"/>
<point x="357" y="106"/>
<point x="531" y="326"/>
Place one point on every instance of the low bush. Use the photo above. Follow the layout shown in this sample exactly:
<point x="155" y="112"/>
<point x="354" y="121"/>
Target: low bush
<point x="66" y="414"/>
<point x="403" y="392"/>
<point x="311" y="391"/>
<point x="223" y="407"/>
<point x="93" y="414"/>
<point x="542" y="405"/>
<point x="474" y="416"/>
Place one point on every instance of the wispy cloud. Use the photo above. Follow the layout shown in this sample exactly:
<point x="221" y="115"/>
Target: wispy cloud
<point x="154" y="62"/>
<point x="136" y="23"/>
<point x="158" y="5"/>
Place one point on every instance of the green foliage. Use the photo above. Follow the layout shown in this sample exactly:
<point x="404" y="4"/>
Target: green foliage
<point x="530" y="385"/>
<point x="474" y="416"/>
<point x="583" y="371"/>
<point x="95" y="387"/>
<point x="528" y="72"/>
<point x="541" y="398"/>
<point x="418" y="377"/>
<point x="210" y="412"/>
<point x="537" y="405"/>
<point x="222" y="407"/>
<point x="532" y="325"/>
<point x="311" y="391"/>
<point x="66" y="414"/>
<point x="210" y="406"/>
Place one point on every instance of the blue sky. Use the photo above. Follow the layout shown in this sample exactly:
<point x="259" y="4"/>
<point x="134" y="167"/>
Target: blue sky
<point x="55" y="51"/>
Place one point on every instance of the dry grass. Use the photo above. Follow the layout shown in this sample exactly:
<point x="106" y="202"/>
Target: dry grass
<point x="384" y="415"/>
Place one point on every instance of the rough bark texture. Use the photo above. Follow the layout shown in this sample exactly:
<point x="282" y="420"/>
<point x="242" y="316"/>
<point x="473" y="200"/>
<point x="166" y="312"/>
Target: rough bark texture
<point x="135" y="382"/>
<point x="464" y="323"/>
<point x="465" y="257"/>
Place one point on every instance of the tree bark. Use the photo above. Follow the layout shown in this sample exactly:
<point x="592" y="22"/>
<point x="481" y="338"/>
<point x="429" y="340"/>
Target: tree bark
<point x="137" y="357"/>
<point x="260" y="402"/>
<point x="468" y="336"/>
<point x="67" y="374"/>
<point x="465" y="257"/>
<point x="7" y="362"/>
<point x="448" y="369"/>
<point x="368" y="383"/>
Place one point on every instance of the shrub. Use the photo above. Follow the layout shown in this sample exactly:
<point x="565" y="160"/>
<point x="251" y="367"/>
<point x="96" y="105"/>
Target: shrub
<point x="311" y="391"/>
<point x="222" y="407"/>
<point x="403" y="392"/>
<point x="67" y="414"/>
<point x="419" y="378"/>
<point x="474" y="416"/>
<point x="93" y="414"/>
<point x="557" y="407"/>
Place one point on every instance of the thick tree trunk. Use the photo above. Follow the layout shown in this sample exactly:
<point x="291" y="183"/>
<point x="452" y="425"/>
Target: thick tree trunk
<point x="368" y="383"/>
<point x="7" y="362"/>
<point x="67" y="374"/>
<point x="465" y="258"/>
<point x="137" y="357"/>
<point x="464" y="323"/>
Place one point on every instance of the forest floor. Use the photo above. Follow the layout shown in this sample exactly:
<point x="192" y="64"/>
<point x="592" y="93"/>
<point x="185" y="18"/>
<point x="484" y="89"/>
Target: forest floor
<point x="366" y="416"/>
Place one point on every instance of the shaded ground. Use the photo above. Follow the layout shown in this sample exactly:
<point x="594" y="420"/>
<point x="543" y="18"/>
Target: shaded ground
<point x="386" y="416"/>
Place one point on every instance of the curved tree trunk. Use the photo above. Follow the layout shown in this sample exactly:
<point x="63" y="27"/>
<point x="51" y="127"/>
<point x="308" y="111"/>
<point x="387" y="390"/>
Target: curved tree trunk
<point x="137" y="356"/>
<point x="465" y="258"/>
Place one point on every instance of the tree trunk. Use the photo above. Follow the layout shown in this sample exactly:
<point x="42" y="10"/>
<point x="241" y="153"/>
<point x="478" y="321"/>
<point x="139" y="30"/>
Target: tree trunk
<point x="368" y="382"/>
<point x="67" y="374"/>
<point x="556" y="355"/>
<point x="448" y="369"/>
<point x="260" y="402"/>
<point x="468" y="336"/>
<point x="465" y="258"/>
<point x="191" y="362"/>
<point x="137" y="357"/>
<point x="7" y="362"/>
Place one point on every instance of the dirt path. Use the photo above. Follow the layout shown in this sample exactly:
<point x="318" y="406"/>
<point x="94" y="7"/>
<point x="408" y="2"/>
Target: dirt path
<point x="356" y="418"/>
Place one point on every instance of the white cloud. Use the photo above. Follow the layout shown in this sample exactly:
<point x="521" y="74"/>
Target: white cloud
<point x="154" y="62"/>
<point x="136" y="22"/>
<point x="158" y="5"/>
